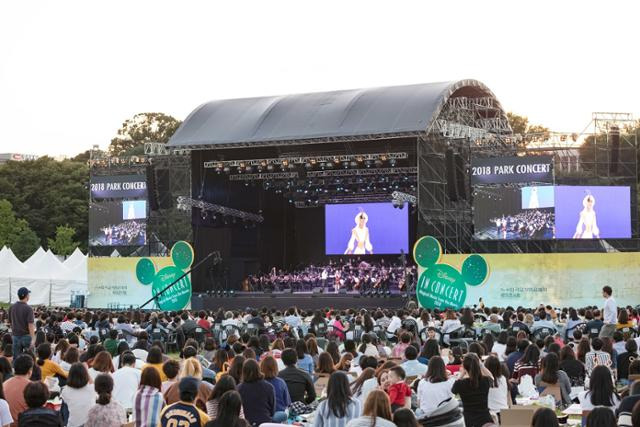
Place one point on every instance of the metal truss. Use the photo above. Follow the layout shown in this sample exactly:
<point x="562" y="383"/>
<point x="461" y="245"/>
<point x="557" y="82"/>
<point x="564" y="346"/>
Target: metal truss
<point x="363" y="172"/>
<point x="187" y="203"/>
<point x="264" y="176"/>
<point x="306" y="159"/>
<point x="400" y="197"/>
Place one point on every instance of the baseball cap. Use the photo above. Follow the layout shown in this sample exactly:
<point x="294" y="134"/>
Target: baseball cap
<point x="23" y="292"/>
<point x="189" y="384"/>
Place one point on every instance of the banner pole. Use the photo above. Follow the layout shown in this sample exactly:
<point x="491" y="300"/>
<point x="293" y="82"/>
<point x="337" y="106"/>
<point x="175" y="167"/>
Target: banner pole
<point x="177" y="280"/>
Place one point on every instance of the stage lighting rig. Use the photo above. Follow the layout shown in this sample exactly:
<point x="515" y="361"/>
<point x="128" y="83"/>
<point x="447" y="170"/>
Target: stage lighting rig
<point x="186" y="203"/>
<point x="399" y="198"/>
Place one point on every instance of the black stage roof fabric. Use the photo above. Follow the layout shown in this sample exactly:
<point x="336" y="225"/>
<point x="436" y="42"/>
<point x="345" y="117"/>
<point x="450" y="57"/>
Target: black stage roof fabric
<point x="333" y="115"/>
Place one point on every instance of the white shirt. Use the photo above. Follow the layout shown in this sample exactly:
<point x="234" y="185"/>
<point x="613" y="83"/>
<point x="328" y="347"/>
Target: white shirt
<point x="499" y="349"/>
<point x="367" y="387"/>
<point x="5" y="414"/>
<point x="610" y="311"/>
<point x="79" y="401"/>
<point x="125" y="385"/>
<point x="395" y="324"/>
<point x="414" y="368"/>
<point x="430" y="395"/>
<point x="586" y="405"/>
<point x="498" y="396"/>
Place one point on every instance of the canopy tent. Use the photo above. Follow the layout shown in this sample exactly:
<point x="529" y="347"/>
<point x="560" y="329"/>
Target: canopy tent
<point x="50" y="281"/>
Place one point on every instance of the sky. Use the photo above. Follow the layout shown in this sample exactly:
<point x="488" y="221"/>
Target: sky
<point x="72" y="71"/>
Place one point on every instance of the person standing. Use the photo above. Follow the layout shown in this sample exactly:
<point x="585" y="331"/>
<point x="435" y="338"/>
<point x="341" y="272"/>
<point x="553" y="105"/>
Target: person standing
<point x="23" y="328"/>
<point x="610" y="313"/>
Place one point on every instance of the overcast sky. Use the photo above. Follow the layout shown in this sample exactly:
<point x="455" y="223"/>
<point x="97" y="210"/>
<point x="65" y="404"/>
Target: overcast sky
<point x="72" y="71"/>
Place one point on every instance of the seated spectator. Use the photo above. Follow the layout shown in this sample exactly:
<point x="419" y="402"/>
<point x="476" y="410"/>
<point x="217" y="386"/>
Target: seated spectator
<point x="376" y="412"/>
<point x="154" y="360"/>
<point x="224" y="384"/>
<point x="298" y="382"/>
<point x="601" y="391"/>
<point x="111" y="343"/>
<point x="148" y="400"/>
<point x="411" y="366"/>
<point x="102" y="364"/>
<point x="601" y="417"/>
<point x="184" y="411"/>
<point x="170" y="369"/>
<point x="78" y="395"/>
<point x="625" y="359"/>
<point x="398" y="349"/>
<point x="258" y="396"/>
<point x="14" y="387"/>
<point x="36" y="395"/>
<point x="126" y="381"/>
<point x="625" y="410"/>
<point x="230" y="411"/>
<point x="499" y="393"/>
<point x="544" y="417"/>
<point x="5" y="412"/>
<point x="473" y="389"/>
<point x="399" y="392"/>
<point x="572" y="367"/>
<point x="550" y="374"/>
<point x="48" y="368"/>
<point x="366" y="346"/>
<point x="357" y="387"/>
<point x="339" y="407"/>
<point x="269" y="369"/>
<point x="405" y="418"/>
<point x="305" y="361"/>
<point x="528" y="363"/>
<point x="435" y="387"/>
<point x="493" y="324"/>
<point x="325" y="364"/>
<point x="191" y="368"/>
<point x="597" y="357"/>
<point x="106" y="412"/>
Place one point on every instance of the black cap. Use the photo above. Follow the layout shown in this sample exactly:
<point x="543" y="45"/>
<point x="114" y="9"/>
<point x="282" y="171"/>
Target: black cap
<point x="23" y="292"/>
<point x="189" y="384"/>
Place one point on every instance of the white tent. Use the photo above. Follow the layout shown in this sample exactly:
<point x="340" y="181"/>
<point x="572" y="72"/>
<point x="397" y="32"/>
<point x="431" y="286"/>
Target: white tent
<point x="50" y="281"/>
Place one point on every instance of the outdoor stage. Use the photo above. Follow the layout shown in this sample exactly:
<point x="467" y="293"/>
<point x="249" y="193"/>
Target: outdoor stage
<point x="304" y="300"/>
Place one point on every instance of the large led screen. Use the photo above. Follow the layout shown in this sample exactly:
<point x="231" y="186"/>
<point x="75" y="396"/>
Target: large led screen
<point x="509" y="213"/>
<point x="113" y="224"/>
<point x="552" y="212"/>
<point x="593" y="212"/>
<point x="366" y="228"/>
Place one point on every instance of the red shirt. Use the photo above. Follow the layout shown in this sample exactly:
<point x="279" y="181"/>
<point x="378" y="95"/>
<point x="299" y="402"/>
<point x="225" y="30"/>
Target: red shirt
<point x="453" y="368"/>
<point x="398" y="392"/>
<point x="204" y="323"/>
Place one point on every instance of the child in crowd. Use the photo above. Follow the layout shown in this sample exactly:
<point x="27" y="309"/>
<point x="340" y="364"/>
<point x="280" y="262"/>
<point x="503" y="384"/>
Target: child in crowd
<point x="399" y="392"/>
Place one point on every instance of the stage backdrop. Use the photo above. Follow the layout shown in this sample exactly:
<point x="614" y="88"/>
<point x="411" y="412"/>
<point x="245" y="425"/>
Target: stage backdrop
<point x="130" y="281"/>
<point x="559" y="279"/>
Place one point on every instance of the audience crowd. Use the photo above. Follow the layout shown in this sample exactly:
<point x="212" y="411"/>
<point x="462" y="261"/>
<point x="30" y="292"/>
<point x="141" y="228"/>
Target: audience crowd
<point x="327" y="368"/>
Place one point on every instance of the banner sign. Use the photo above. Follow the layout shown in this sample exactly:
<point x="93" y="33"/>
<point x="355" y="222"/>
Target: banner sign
<point x="118" y="186"/>
<point x="527" y="280"/>
<point x="505" y="170"/>
<point x="130" y="281"/>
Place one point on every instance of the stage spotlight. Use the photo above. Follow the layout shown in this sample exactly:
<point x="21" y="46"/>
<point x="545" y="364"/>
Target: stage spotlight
<point x="378" y="163"/>
<point x="226" y="169"/>
<point x="270" y="167"/>
<point x="368" y="163"/>
<point x="308" y="165"/>
<point x="345" y="164"/>
<point x="203" y="215"/>
<point x="354" y="164"/>
<point x="248" y="168"/>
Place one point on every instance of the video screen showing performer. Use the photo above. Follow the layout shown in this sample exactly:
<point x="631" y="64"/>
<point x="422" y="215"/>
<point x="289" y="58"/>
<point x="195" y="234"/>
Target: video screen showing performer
<point x="593" y="212"/>
<point x="514" y="213"/>
<point x="366" y="229"/>
<point x="118" y="223"/>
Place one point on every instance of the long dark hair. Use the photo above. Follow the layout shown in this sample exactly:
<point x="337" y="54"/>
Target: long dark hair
<point x="531" y="355"/>
<point x="492" y="363"/>
<point x="436" y="370"/>
<point x="223" y="385"/>
<point x="229" y="408"/>
<point x="356" y="386"/>
<point x="544" y="417"/>
<point x="602" y="417"/>
<point x="430" y="349"/>
<point x="471" y="364"/>
<point x="104" y="386"/>
<point x="601" y="386"/>
<point x="338" y="394"/>
<point x="550" y="368"/>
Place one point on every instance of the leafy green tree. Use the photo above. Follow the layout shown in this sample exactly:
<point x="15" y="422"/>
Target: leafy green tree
<point x="520" y="125"/>
<point x="63" y="243"/>
<point x="48" y="193"/>
<point x="15" y="233"/>
<point x="141" y="128"/>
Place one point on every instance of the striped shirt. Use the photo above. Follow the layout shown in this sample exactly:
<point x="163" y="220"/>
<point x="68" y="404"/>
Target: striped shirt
<point x="326" y="418"/>
<point x="595" y="358"/>
<point x="147" y="407"/>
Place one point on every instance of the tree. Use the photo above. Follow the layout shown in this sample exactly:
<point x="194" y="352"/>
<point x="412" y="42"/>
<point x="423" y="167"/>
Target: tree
<point x="520" y="125"/>
<point x="63" y="243"/>
<point x="48" y="193"/>
<point x="141" y="128"/>
<point x="16" y="233"/>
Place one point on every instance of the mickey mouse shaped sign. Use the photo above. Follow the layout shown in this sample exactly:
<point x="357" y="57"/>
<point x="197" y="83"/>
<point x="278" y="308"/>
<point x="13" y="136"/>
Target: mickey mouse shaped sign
<point x="440" y="285"/>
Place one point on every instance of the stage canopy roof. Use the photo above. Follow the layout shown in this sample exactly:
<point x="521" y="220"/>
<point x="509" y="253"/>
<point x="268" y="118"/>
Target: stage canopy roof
<point x="322" y="116"/>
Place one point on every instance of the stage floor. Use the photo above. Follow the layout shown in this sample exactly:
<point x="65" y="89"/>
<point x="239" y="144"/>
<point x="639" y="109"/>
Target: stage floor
<point x="302" y="300"/>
